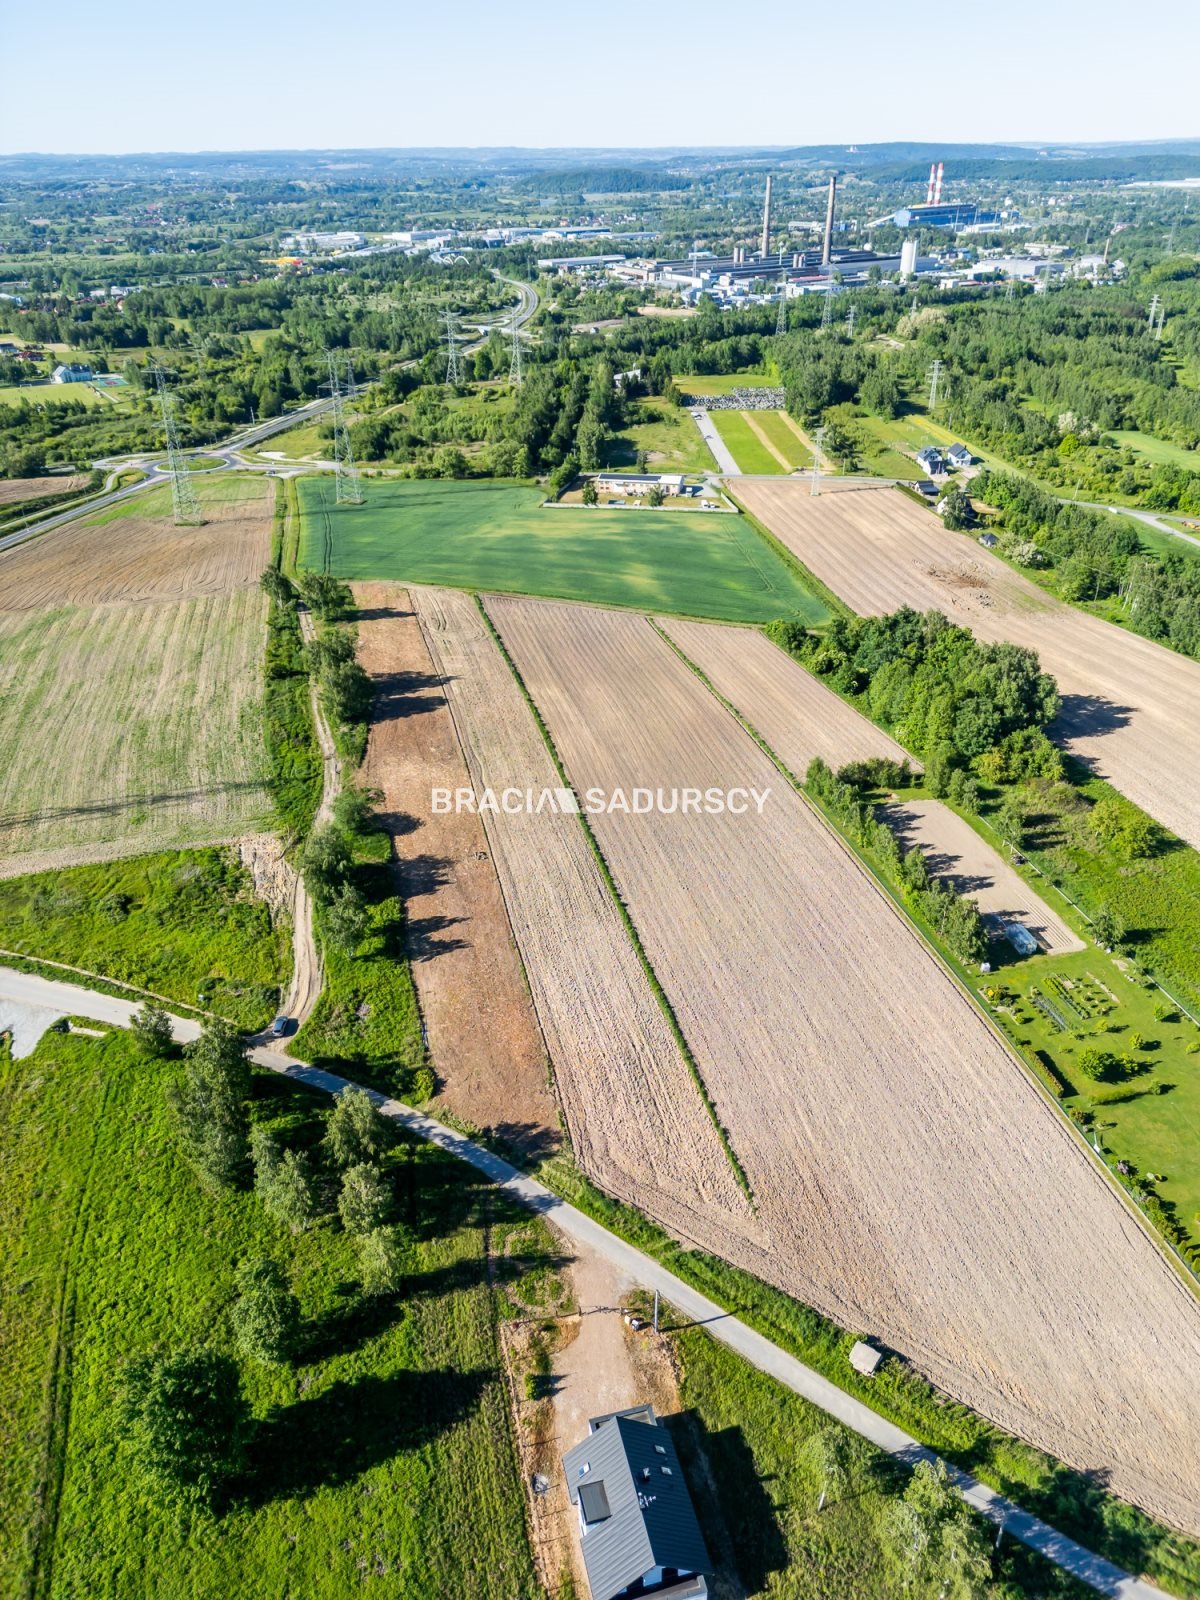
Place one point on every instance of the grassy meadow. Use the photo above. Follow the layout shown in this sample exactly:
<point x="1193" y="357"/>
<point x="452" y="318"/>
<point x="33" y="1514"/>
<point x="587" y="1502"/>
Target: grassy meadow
<point x="499" y="536"/>
<point x="747" y="448"/>
<point x="381" y="1457"/>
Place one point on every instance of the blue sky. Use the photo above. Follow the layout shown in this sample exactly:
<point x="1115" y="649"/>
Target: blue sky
<point x="254" y="75"/>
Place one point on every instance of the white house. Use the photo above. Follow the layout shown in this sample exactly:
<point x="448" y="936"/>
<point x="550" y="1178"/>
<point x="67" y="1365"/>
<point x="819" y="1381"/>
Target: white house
<point x="958" y="455"/>
<point x="930" y="459"/>
<point x="639" y="483"/>
<point x="72" y="372"/>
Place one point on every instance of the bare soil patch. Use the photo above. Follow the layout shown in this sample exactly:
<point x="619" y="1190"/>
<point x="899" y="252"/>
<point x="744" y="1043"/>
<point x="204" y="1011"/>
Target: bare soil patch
<point x="14" y="490"/>
<point x="956" y="852"/>
<point x="636" y="1121"/>
<point x="1131" y="709"/>
<point x="791" y="709"/>
<point x="913" y="1181"/>
<point x="483" y="1032"/>
<point x="135" y="559"/>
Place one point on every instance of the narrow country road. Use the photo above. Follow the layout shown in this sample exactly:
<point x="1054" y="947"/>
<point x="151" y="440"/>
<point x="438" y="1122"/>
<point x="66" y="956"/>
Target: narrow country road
<point x="307" y="976"/>
<point x="1099" y="1574"/>
<point x="720" y="450"/>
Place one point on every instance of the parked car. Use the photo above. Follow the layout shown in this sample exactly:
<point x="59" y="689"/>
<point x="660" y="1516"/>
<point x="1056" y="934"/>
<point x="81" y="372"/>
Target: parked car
<point x="279" y="1027"/>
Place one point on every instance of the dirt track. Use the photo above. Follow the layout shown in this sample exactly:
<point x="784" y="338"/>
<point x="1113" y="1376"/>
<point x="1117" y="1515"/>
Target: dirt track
<point x="913" y="1181"/>
<point x="136" y="559"/>
<point x="1131" y="709"/>
<point x="955" y="851"/>
<point x="483" y="1032"/>
<point x="636" y="1120"/>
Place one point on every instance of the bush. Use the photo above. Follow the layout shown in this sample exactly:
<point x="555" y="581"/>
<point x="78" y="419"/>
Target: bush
<point x="186" y="1422"/>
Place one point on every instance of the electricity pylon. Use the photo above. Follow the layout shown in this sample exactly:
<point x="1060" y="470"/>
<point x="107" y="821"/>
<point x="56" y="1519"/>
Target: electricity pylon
<point x="935" y="372"/>
<point x="827" y="308"/>
<point x="185" y="504"/>
<point x="514" y="363"/>
<point x="452" y="373"/>
<point x="1155" y="302"/>
<point x="781" y="314"/>
<point x="818" y="441"/>
<point x="347" y="487"/>
<point x="850" y="314"/>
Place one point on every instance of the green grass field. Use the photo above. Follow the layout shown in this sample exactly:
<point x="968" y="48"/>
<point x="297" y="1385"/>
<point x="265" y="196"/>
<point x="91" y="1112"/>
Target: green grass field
<point x="498" y="536"/>
<point x="381" y="1459"/>
<point x="672" y="441"/>
<point x="784" y="437"/>
<point x="51" y="394"/>
<point x="179" y="924"/>
<point x="1159" y="451"/>
<point x="748" y="450"/>
<point x="724" y="382"/>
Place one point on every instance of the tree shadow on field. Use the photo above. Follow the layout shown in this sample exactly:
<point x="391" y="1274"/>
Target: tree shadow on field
<point x="423" y="943"/>
<point x="357" y="1320"/>
<point x="739" y="1518"/>
<point x="353" y="1426"/>
<point x="405" y="694"/>
<point x="1088" y="714"/>
<point x="381" y="613"/>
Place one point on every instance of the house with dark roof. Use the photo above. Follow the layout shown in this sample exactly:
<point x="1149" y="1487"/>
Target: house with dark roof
<point x="930" y="458"/>
<point x="637" y="1525"/>
<point x="959" y="456"/>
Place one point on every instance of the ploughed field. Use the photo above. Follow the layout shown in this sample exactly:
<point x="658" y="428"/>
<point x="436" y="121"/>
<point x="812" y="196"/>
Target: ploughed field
<point x="15" y="490"/>
<point x="620" y="1075"/>
<point x="1131" y="709"/>
<point x="131" y="659"/>
<point x="500" y="536"/>
<point x="910" y="1180"/>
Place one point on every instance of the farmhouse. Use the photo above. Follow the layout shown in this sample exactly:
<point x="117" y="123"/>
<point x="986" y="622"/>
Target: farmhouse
<point x="958" y="455"/>
<point x="637" y="1525"/>
<point x="931" y="460"/>
<point x="639" y="482"/>
<point x="72" y="372"/>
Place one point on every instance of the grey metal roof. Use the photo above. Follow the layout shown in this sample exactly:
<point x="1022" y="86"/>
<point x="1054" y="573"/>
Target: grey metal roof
<point x="652" y="1521"/>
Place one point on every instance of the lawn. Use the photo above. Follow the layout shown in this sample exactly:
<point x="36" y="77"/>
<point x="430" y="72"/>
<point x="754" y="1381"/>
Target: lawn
<point x="748" y="450"/>
<point x="671" y="441"/>
<point x="749" y="1451"/>
<point x="53" y="393"/>
<point x="382" y="1456"/>
<point x="783" y="436"/>
<point x="498" y="536"/>
<point x="179" y="924"/>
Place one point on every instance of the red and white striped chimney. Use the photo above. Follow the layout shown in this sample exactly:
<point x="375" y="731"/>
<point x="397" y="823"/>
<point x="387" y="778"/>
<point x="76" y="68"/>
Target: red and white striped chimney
<point x="929" y="191"/>
<point x="937" y="188"/>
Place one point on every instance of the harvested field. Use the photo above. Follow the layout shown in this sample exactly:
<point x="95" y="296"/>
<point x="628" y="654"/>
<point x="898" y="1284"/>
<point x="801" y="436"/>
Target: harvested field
<point x="138" y="724"/>
<point x="1131" y="709"/>
<point x="635" y="1118"/>
<point x="15" y="490"/>
<point x="956" y="852"/>
<point x="138" y="558"/>
<point x="790" y="708"/>
<point x="484" y="1037"/>
<point x="913" y="1181"/>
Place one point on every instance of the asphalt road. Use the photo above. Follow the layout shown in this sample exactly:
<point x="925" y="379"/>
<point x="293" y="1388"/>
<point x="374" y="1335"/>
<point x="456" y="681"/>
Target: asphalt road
<point x="1100" y="1575"/>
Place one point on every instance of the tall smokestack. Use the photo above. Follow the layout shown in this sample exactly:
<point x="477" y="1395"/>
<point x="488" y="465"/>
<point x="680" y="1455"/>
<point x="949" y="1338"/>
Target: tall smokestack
<point x="766" y="233"/>
<point x="937" y="188"/>
<point x="932" y="180"/>
<point x="829" y="221"/>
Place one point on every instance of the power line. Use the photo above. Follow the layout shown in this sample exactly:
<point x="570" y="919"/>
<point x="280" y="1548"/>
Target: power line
<point x="1155" y="302"/>
<point x="347" y="487"/>
<point x="185" y="504"/>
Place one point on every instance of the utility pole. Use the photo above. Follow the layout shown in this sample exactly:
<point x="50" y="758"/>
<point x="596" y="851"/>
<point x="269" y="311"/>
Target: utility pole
<point x="514" y="363"/>
<point x="347" y="488"/>
<point x="185" y="504"/>
<point x="935" y="372"/>
<point x="452" y="374"/>
<point x="656" y="1310"/>
<point x="781" y="314"/>
<point x="818" y="441"/>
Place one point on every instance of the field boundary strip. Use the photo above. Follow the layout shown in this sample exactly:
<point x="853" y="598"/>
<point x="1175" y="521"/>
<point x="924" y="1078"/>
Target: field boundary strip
<point x="1162" y="1244"/>
<point x="656" y="987"/>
